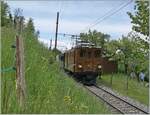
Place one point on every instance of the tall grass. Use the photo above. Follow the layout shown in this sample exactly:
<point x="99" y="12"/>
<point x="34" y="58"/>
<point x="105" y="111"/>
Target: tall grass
<point x="8" y="92"/>
<point x="135" y="90"/>
<point x="48" y="89"/>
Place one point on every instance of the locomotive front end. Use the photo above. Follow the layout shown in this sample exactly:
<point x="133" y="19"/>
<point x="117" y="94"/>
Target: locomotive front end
<point x="88" y="66"/>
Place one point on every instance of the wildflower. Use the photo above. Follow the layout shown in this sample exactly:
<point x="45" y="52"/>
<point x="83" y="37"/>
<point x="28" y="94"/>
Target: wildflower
<point x="67" y="98"/>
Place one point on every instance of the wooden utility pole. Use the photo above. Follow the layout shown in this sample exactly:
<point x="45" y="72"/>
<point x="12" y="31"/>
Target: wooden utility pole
<point x="20" y="75"/>
<point x="56" y="30"/>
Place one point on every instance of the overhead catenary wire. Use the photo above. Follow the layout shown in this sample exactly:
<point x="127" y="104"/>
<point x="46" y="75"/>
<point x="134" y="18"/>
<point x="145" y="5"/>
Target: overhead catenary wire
<point x="107" y="15"/>
<point x="102" y="16"/>
<point x="100" y="19"/>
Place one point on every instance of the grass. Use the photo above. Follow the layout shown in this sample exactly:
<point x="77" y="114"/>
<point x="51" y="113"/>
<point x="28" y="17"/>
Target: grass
<point x="48" y="89"/>
<point x="135" y="90"/>
<point x="8" y="92"/>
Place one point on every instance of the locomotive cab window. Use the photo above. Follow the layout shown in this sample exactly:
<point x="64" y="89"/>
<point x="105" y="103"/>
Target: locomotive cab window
<point x="82" y="53"/>
<point x="97" y="53"/>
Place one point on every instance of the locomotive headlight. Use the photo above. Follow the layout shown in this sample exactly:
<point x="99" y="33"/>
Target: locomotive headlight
<point x="99" y="66"/>
<point x="79" y="66"/>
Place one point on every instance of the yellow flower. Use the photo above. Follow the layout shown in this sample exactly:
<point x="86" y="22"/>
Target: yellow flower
<point x="67" y="98"/>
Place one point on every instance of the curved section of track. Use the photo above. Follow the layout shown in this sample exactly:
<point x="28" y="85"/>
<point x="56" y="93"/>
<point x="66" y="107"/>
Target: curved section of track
<point x="116" y="102"/>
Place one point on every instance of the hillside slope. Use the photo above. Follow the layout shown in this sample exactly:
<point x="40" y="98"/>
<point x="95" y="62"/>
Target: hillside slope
<point x="48" y="89"/>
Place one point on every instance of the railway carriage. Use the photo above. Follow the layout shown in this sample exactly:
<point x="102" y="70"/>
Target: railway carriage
<point x="85" y="62"/>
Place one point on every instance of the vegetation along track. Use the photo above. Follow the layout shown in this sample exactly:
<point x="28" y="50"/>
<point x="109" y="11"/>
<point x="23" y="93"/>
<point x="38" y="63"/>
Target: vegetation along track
<point x="116" y="102"/>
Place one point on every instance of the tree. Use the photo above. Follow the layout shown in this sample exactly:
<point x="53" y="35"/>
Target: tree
<point x="111" y="49"/>
<point x="119" y="50"/>
<point x="95" y="37"/>
<point x="129" y="53"/>
<point x="10" y="18"/>
<point x="30" y="25"/>
<point x="141" y="18"/>
<point x="140" y="54"/>
<point x="133" y="54"/>
<point x="126" y="48"/>
<point x="4" y="13"/>
<point x="30" y="29"/>
<point x="37" y="34"/>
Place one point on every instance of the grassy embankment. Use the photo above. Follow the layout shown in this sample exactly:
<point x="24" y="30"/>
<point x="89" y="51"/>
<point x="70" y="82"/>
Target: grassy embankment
<point x="135" y="90"/>
<point x="48" y="89"/>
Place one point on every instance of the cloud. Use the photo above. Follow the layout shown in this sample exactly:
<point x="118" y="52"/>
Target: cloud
<point x="46" y="25"/>
<point x="75" y="27"/>
<point x="75" y="16"/>
<point x="62" y="45"/>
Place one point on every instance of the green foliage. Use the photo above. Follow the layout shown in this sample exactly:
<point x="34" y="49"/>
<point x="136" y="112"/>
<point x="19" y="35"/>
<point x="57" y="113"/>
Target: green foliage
<point x="4" y="14"/>
<point x="130" y="53"/>
<point x="37" y="34"/>
<point x="46" y="84"/>
<point x="30" y="29"/>
<point x="136" y="90"/>
<point x="126" y="52"/>
<point x="141" y="18"/>
<point x="138" y="56"/>
<point x="98" y="38"/>
<point x="111" y="48"/>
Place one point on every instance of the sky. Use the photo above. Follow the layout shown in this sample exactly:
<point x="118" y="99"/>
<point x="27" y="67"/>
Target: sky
<point x="76" y="16"/>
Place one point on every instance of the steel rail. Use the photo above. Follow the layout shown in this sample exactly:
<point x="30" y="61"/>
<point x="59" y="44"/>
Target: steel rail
<point x="104" y="100"/>
<point x="123" y="100"/>
<point x="137" y="108"/>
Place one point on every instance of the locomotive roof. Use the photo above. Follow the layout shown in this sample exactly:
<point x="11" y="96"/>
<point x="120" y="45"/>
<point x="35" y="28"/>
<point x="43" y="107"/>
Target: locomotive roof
<point x="79" y="47"/>
<point x="83" y="44"/>
<point x="86" y="46"/>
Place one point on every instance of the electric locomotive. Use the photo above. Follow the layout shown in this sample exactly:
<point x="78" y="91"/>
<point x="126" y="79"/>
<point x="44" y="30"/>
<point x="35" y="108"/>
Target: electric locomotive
<point x="86" y="63"/>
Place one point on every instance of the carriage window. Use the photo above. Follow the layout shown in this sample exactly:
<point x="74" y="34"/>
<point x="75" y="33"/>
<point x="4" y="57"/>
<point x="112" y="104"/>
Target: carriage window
<point x="89" y="54"/>
<point x="97" y="53"/>
<point x="82" y="53"/>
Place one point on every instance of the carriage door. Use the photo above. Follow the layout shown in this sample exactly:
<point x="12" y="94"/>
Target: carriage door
<point x="89" y="60"/>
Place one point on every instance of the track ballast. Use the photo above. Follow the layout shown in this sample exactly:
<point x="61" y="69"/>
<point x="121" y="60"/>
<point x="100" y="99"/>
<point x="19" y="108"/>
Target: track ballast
<point x="116" y="102"/>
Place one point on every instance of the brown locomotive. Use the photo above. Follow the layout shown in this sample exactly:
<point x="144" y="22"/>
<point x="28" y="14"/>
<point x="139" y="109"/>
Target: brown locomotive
<point x="86" y="63"/>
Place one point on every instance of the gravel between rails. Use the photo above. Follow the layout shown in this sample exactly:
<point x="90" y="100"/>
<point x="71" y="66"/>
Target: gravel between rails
<point x="115" y="101"/>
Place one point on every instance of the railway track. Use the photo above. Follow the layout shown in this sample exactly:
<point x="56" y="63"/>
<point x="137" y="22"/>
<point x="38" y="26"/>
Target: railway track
<point x="116" y="102"/>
